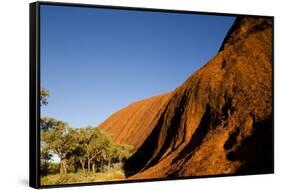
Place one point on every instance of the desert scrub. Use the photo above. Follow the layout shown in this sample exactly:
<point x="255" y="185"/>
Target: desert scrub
<point x="82" y="177"/>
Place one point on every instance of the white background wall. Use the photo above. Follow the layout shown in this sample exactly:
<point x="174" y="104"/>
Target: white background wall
<point x="14" y="77"/>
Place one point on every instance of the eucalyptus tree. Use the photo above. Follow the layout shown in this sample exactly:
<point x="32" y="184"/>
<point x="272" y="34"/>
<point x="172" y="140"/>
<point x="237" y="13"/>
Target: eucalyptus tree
<point x="82" y="151"/>
<point x="60" y="141"/>
<point x="96" y="149"/>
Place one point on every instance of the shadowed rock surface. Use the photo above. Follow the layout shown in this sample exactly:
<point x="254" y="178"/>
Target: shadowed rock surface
<point x="219" y="121"/>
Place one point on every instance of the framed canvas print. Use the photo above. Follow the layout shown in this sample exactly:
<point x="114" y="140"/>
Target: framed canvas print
<point x="122" y="94"/>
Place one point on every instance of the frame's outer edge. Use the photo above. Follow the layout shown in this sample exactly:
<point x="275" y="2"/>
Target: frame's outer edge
<point x="34" y="97"/>
<point x="34" y="90"/>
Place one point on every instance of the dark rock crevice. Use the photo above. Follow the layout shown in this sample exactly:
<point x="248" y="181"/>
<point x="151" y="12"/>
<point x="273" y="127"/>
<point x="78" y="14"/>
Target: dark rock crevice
<point x="256" y="151"/>
<point x="198" y="136"/>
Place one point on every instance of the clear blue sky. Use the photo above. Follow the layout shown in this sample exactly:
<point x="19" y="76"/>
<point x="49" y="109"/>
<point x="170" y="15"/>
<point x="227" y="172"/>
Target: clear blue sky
<point x="96" y="61"/>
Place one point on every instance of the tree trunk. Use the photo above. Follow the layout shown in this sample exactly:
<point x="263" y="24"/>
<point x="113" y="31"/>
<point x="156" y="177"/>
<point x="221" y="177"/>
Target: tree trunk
<point x="88" y="168"/>
<point x="93" y="168"/>
<point x="63" y="167"/>
<point x="109" y="165"/>
<point x="101" y="166"/>
<point x="83" y="165"/>
<point x="89" y="165"/>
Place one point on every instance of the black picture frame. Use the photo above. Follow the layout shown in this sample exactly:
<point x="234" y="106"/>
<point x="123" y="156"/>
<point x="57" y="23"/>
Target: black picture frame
<point x="34" y="88"/>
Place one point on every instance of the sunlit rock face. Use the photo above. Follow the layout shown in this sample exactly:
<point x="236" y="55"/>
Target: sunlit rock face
<point x="219" y="121"/>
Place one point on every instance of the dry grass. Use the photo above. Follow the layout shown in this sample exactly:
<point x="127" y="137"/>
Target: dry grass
<point x="81" y="177"/>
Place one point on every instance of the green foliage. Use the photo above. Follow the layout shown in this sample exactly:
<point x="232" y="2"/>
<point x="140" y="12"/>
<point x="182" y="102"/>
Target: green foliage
<point x="49" y="168"/>
<point x="44" y="94"/>
<point x="86" y="150"/>
<point x="59" y="140"/>
<point x="45" y="156"/>
<point x="47" y="123"/>
<point x="53" y="168"/>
